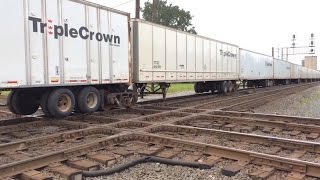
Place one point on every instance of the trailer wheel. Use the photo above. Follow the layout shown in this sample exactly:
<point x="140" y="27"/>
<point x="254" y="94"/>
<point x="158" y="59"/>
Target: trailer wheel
<point x="9" y="102"/>
<point x="102" y="103"/>
<point x="89" y="100"/>
<point x="224" y="87"/>
<point x="196" y="87"/>
<point x="24" y="103"/>
<point x="61" y="102"/>
<point x="44" y="103"/>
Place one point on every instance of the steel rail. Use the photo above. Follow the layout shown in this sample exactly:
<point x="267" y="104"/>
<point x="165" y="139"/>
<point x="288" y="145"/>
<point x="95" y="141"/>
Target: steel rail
<point x="251" y="138"/>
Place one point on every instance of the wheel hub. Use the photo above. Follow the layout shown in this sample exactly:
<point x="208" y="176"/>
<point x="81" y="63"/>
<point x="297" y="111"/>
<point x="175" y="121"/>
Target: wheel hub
<point x="64" y="103"/>
<point x="92" y="100"/>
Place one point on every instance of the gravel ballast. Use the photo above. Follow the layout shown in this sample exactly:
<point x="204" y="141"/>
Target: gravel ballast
<point x="304" y="104"/>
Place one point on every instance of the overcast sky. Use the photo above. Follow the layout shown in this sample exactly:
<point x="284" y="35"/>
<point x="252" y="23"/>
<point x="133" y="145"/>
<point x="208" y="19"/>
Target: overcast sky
<point x="256" y="25"/>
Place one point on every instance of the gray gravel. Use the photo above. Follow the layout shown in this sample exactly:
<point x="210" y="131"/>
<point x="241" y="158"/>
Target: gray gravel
<point x="156" y="171"/>
<point x="305" y="104"/>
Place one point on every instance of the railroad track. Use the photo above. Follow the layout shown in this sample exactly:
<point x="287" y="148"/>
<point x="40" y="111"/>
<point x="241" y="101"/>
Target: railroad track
<point x="189" y="100"/>
<point x="257" y="145"/>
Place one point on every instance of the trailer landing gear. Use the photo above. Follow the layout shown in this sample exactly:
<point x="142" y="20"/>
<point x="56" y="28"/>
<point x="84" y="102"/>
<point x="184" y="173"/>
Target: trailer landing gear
<point x="161" y="88"/>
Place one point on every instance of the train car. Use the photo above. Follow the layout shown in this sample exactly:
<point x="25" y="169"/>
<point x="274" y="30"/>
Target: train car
<point x="63" y="55"/>
<point x="317" y="75"/>
<point x="163" y="55"/>
<point x="73" y="55"/>
<point x="304" y="74"/>
<point x="256" y="69"/>
<point x="281" y="71"/>
<point x="295" y="73"/>
<point x="314" y="75"/>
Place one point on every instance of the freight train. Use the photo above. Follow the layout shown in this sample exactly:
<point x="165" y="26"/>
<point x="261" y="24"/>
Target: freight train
<point x="74" y="55"/>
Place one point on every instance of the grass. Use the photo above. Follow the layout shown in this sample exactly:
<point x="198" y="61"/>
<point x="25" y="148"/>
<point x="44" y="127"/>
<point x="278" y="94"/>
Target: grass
<point x="181" y="87"/>
<point x="174" y="88"/>
<point x="4" y="93"/>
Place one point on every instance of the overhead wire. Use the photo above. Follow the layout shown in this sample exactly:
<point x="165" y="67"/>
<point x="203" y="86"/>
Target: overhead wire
<point x="123" y="3"/>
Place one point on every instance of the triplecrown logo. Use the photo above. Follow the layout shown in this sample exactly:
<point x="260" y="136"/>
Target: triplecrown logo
<point x="83" y="32"/>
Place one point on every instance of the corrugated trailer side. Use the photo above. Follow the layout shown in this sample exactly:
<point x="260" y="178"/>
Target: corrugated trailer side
<point x="295" y="73"/>
<point x="164" y="55"/>
<point x="282" y="71"/>
<point x="47" y="44"/>
<point x="318" y="74"/>
<point x="304" y="74"/>
<point x="255" y="68"/>
<point x="313" y="74"/>
<point x="61" y="43"/>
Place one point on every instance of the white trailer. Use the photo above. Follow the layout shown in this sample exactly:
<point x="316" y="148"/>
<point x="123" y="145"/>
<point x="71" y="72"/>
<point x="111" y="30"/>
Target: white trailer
<point x="60" y="53"/>
<point x="164" y="55"/>
<point x="304" y="73"/>
<point x="255" y="68"/>
<point x="295" y="72"/>
<point x="282" y="71"/>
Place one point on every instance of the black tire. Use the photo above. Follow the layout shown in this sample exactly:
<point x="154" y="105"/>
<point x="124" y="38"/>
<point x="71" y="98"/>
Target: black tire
<point x="101" y="107"/>
<point x="89" y="100"/>
<point x="24" y="103"/>
<point x="196" y="88"/>
<point x="44" y="103"/>
<point x="61" y="102"/>
<point x="224" y="87"/>
<point x="76" y="92"/>
<point x="9" y="102"/>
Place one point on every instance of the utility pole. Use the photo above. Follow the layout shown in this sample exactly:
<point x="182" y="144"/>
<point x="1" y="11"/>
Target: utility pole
<point x="138" y="9"/>
<point x="154" y="10"/>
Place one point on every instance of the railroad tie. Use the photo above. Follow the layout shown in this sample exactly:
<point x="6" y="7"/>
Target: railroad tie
<point x="191" y="157"/>
<point x="123" y="152"/>
<point x="297" y="154"/>
<point x="204" y="124"/>
<point x="233" y="169"/>
<point x="65" y="171"/>
<point x="217" y="125"/>
<point x="267" y="129"/>
<point x="150" y="151"/>
<point x="168" y="153"/>
<point x="103" y="159"/>
<point x="229" y="127"/>
<point x="134" y="146"/>
<point x="277" y="130"/>
<point x="312" y="136"/>
<point x="295" y="133"/>
<point x="211" y="160"/>
<point x="83" y="164"/>
<point x="34" y="175"/>
<point x="295" y="176"/>
<point x="262" y="173"/>
<point x="247" y="129"/>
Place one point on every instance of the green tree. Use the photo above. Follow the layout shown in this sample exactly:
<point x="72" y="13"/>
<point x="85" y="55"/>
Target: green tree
<point x="168" y="15"/>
